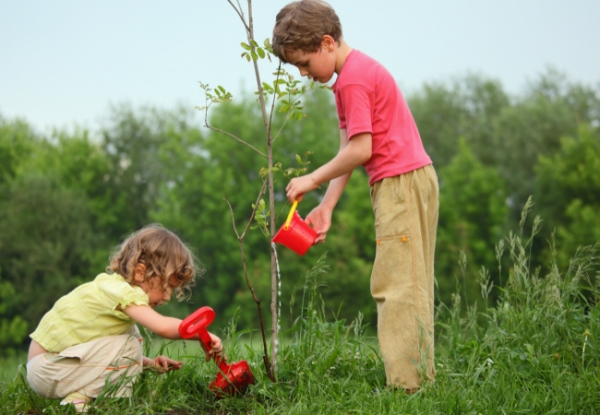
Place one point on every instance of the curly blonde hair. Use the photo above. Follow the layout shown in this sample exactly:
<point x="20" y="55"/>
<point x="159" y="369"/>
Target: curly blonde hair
<point x="163" y="255"/>
<point x="301" y="25"/>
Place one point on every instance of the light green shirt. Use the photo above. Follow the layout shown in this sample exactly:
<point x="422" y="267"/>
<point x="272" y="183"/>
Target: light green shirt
<point x="89" y="312"/>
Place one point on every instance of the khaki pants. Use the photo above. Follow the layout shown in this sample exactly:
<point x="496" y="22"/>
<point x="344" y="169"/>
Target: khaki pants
<point x="85" y="368"/>
<point x="406" y="216"/>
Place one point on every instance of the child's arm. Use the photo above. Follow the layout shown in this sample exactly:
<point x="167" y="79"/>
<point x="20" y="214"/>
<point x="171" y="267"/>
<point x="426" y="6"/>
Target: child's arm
<point x="353" y="153"/>
<point x="167" y="327"/>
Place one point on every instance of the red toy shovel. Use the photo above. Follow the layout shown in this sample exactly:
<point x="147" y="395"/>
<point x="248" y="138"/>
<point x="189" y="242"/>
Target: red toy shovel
<point x="231" y="379"/>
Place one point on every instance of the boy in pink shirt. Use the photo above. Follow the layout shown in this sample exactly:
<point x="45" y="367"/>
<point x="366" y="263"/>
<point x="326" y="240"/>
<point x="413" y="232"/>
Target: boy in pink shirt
<point x="377" y="130"/>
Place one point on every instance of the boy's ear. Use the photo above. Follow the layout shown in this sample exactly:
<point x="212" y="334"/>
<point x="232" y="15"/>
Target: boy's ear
<point x="139" y="273"/>
<point x="328" y="43"/>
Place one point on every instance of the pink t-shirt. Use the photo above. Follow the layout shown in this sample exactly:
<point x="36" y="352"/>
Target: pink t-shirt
<point x="368" y="100"/>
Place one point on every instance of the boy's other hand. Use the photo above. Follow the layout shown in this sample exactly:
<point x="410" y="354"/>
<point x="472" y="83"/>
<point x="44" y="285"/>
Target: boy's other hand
<point x="298" y="186"/>
<point x="320" y="219"/>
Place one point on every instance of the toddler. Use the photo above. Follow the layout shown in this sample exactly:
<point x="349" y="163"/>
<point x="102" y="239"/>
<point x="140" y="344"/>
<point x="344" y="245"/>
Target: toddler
<point x="90" y="337"/>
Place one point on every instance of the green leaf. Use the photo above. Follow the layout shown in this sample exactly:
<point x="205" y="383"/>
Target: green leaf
<point x="267" y="87"/>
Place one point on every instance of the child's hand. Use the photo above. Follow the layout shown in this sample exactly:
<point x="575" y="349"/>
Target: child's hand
<point x="216" y="347"/>
<point x="163" y="364"/>
<point x="298" y="186"/>
<point x="320" y="219"/>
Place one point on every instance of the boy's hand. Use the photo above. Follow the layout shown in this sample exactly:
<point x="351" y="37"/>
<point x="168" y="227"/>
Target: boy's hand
<point x="163" y="364"/>
<point x="216" y="347"/>
<point x="320" y="219"/>
<point x="298" y="186"/>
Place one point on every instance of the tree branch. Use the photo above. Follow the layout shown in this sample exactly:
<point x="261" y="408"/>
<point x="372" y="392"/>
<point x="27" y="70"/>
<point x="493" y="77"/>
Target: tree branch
<point x="236" y="138"/>
<point x="268" y="366"/>
<point x="240" y="12"/>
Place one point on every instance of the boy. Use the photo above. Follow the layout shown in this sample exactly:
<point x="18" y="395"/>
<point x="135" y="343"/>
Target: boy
<point x="377" y="130"/>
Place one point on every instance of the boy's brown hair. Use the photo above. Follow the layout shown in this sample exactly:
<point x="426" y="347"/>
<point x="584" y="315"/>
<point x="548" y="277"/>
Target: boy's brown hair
<point x="301" y="25"/>
<point x="163" y="255"/>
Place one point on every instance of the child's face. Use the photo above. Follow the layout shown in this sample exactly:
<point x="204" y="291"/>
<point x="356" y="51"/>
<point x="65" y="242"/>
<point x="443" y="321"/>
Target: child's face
<point x="157" y="292"/>
<point x="318" y="66"/>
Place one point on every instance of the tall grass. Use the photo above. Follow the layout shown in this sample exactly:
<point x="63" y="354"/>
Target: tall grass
<point x="535" y="351"/>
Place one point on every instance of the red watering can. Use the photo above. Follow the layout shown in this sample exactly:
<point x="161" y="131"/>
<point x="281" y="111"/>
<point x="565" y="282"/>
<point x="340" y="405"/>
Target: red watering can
<point x="295" y="233"/>
<point x="232" y="378"/>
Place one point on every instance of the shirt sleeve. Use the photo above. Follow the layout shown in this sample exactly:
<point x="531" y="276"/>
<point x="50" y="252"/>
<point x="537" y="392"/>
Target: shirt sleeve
<point x="120" y="293"/>
<point x="357" y="109"/>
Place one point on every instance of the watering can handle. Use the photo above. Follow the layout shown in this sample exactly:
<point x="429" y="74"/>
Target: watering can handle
<point x="289" y="218"/>
<point x="196" y="324"/>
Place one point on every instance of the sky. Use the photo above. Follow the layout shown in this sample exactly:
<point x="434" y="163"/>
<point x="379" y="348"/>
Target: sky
<point x="65" y="63"/>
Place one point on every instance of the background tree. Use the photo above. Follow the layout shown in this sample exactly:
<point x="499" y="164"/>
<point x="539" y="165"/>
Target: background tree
<point x="66" y="199"/>
<point x="44" y="242"/>
<point x="472" y="213"/>
<point x="568" y="189"/>
<point x="467" y="107"/>
<point x="131" y="142"/>
<point x="14" y="328"/>
<point x="350" y="250"/>
<point x="44" y="233"/>
<point x="16" y="143"/>
<point x="532" y="127"/>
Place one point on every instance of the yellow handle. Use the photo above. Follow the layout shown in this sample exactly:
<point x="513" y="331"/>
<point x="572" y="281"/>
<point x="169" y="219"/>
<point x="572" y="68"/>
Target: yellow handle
<point x="289" y="218"/>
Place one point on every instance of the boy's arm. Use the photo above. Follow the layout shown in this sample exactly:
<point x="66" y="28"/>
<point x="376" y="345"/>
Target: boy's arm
<point x="320" y="217"/>
<point x="352" y="153"/>
<point x="337" y="185"/>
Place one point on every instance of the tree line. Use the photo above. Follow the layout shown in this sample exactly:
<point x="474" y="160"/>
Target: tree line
<point x="68" y="198"/>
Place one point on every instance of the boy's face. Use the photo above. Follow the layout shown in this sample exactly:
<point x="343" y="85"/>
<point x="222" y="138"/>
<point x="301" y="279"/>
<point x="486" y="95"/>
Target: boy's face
<point x="318" y="66"/>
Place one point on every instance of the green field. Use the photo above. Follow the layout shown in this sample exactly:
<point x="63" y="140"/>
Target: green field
<point x="536" y="351"/>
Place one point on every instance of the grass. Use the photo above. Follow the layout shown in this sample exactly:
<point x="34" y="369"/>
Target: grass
<point x="536" y="351"/>
<point x="9" y="365"/>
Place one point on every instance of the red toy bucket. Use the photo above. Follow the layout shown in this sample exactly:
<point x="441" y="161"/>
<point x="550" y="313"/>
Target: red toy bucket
<point x="295" y="234"/>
